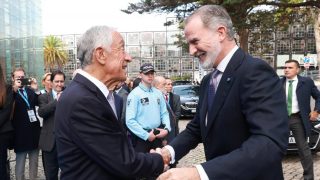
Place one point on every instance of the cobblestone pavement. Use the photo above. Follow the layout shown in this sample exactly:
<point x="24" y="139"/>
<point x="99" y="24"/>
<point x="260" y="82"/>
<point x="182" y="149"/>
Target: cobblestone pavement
<point x="291" y="164"/>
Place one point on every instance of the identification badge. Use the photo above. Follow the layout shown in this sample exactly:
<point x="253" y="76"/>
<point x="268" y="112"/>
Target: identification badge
<point x="144" y="101"/>
<point x="32" y="116"/>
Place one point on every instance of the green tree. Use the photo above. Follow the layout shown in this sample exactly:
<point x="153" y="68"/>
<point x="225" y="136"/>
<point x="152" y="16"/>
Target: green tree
<point x="54" y="53"/>
<point x="241" y="11"/>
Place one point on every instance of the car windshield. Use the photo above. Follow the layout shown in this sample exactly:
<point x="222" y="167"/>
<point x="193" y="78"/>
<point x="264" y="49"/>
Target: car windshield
<point x="186" y="90"/>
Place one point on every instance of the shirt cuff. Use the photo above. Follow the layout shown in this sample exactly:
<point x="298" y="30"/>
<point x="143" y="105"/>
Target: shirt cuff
<point x="202" y="173"/>
<point x="172" y="153"/>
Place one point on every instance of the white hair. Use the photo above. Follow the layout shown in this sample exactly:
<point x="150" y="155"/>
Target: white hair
<point x="97" y="36"/>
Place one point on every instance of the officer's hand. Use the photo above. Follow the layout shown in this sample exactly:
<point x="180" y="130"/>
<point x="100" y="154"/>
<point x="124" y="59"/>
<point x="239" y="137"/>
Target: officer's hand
<point x="162" y="134"/>
<point x="151" y="137"/>
<point x="313" y="115"/>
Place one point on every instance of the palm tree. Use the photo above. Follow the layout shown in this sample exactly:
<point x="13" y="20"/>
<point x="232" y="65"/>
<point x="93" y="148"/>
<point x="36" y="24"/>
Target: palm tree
<point x="54" y="53"/>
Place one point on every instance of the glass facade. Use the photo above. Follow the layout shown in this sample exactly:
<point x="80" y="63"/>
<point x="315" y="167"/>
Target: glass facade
<point x="21" y="44"/>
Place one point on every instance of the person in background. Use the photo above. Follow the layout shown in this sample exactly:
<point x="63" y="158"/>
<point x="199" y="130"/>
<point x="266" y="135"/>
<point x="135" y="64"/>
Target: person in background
<point x="147" y="112"/>
<point x="123" y="93"/>
<point x="46" y="83"/>
<point x="136" y="82"/>
<point x="47" y="107"/>
<point x="299" y="91"/>
<point x="91" y="140"/>
<point x="241" y="117"/>
<point x="175" y="105"/>
<point x="26" y="126"/>
<point x="34" y="85"/>
<point x="6" y="128"/>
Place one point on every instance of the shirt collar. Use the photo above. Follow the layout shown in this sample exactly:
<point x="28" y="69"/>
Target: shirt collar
<point x="295" y="79"/>
<point x="225" y="61"/>
<point x="103" y="88"/>
<point x="145" y="88"/>
<point x="54" y="94"/>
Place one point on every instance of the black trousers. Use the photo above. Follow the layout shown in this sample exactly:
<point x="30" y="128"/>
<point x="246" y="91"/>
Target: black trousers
<point x="5" y="140"/>
<point x="50" y="164"/>
<point x="296" y="126"/>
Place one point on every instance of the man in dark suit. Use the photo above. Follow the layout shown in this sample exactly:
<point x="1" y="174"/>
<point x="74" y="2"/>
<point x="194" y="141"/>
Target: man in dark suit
<point x="47" y="107"/>
<point x="26" y="126"/>
<point x="241" y="116"/>
<point x="175" y="105"/>
<point x="91" y="140"/>
<point x="298" y="92"/>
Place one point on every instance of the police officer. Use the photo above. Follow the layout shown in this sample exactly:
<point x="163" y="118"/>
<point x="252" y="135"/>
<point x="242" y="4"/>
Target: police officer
<point x="147" y="117"/>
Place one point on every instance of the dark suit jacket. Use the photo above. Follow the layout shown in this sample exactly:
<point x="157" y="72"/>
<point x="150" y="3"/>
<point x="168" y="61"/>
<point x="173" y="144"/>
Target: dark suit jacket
<point x="26" y="133"/>
<point x="47" y="107"/>
<point x="91" y="141"/>
<point x="247" y="128"/>
<point x="123" y="93"/>
<point x="306" y="89"/>
<point x="175" y="105"/>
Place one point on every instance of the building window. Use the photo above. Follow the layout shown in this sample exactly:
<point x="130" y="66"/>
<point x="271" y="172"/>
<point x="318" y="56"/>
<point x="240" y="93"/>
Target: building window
<point x="160" y="64"/>
<point x="311" y="46"/>
<point x="186" y="63"/>
<point x="298" y="47"/>
<point x="283" y="47"/>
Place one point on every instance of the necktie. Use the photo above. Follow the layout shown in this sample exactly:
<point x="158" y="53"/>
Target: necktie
<point x="289" y="98"/>
<point x="212" y="88"/>
<point x="166" y="97"/>
<point x="110" y="99"/>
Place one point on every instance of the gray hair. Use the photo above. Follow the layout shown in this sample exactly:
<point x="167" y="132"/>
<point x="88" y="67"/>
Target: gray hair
<point x="97" y="36"/>
<point x="212" y="16"/>
<point x="157" y="80"/>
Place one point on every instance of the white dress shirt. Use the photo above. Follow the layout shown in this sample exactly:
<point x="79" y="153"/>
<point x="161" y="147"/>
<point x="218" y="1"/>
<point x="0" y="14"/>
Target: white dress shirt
<point x="295" y="105"/>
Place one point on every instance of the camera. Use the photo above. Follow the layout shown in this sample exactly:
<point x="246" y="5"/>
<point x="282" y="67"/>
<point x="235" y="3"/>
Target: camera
<point x="25" y="81"/>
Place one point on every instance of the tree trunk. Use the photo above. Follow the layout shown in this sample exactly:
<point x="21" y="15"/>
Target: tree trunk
<point x="243" y="39"/>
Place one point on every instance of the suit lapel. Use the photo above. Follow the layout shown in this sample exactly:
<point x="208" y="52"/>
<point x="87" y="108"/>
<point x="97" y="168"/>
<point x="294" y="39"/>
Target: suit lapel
<point x="92" y="87"/>
<point x="224" y="86"/>
<point x="299" y="85"/>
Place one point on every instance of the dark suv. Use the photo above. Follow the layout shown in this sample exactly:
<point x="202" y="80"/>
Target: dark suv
<point x="189" y="97"/>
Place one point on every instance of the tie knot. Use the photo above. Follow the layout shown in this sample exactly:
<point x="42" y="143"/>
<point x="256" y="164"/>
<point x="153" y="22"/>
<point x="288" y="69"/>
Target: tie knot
<point x="291" y="81"/>
<point x="215" y="73"/>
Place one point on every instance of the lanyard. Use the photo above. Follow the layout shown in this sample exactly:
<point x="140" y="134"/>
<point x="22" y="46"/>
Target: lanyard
<point x="24" y="97"/>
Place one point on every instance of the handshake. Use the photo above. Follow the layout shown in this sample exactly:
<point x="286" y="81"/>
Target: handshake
<point x="174" y="173"/>
<point x="165" y="153"/>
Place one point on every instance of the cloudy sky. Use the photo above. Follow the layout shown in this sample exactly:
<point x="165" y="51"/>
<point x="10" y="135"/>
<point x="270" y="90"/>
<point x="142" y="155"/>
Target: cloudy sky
<point x="76" y="16"/>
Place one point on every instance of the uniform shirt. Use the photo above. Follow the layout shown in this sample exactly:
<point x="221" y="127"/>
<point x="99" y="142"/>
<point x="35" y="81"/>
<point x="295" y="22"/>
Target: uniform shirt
<point x="146" y="109"/>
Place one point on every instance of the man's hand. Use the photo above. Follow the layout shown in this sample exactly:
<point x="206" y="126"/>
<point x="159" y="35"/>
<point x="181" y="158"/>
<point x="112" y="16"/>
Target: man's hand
<point x="180" y="173"/>
<point x="16" y="85"/>
<point x="313" y="115"/>
<point x="158" y="150"/>
<point x="166" y="156"/>
<point x="151" y="137"/>
<point x="162" y="134"/>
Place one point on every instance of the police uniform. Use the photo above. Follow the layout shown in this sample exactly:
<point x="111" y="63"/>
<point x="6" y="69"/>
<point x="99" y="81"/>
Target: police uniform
<point x="146" y="110"/>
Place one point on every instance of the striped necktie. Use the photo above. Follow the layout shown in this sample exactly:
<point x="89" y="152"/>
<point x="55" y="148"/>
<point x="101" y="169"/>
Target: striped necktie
<point x="212" y="88"/>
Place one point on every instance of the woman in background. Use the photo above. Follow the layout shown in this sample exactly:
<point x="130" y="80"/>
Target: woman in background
<point x="6" y="128"/>
<point x="46" y="82"/>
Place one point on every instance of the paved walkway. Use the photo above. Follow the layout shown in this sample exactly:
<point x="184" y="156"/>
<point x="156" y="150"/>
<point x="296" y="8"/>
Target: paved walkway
<point x="291" y="164"/>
